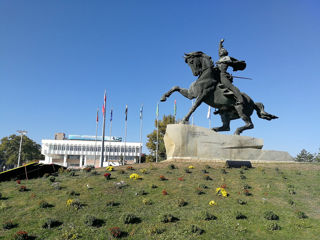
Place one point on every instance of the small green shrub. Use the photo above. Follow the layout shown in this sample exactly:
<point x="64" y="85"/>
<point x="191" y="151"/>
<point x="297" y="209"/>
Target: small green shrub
<point x="301" y="215"/>
<point x="52" y="179"/>
<point x="240" y="215"/>
<point x="204" y="215"/>
<point x="199" y="191"/>
<point x="73" y="193"/>
<point x="92" y="221"/>
<point x="195" y="229"/>
<point x="269" y="215"/>
<point x="166" y="218"/>
<point x="129" y="218"/>
<point x="141" y="193"/>
<point x="207" y="177"/>
<point x="9" y="225"/>
<point x="207" y="167"/>
<point x="44" y="204"/>
<point x="50" y="223"/>
<point x="153" y="186"/>
<point x="241" y="172"/>
<point x="203" y="186"/>
<point x="172" y="166"/>
<point x="181" y="202"/>
<point x="273" y="226"/>
<point x="61" y="170"/>
<point x="243" y="177"/>
<point x="76" y="204"/>
<point x="242" y="202"/>
<point x="246" y="186"/>
<point x="147" y="201"/>
<point x="155" y="230"/>
<point x="291" y="191"/>
<point x="204" y="171"/>
<point x="291" y="202"/>
<point x="111" y="203"/>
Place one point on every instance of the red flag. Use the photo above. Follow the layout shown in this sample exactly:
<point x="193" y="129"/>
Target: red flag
<point x="97" y="115"/>
<point x="104" y="104"/>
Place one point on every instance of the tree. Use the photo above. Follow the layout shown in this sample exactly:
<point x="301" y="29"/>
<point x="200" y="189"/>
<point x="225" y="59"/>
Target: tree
<point x="304" y="156"/>
<point x="152" y="139"/>
<point x="9" y="149"/>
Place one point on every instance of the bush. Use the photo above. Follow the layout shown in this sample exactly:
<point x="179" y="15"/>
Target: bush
<point x="50" y="223"/>
<point x="44" y="204"/>
<point x="61" y="170"/>
<point x="273" y="226"/>
<point x="223" y="171"/>
<point x="291" y="202"/>
<point x="73" y="193"/>
<point x="269" y="215"/>
<point x="141" y="193"/>
<point x="187" y="170"/>
<point x="9" y="225"/>
<point x="166" y="218"/>
<point x="199" y="191"/>
<point x="207" y="177"/>
<point x="206" y="216"/>
<point x="21" y="235"/>
<point x="242" y="202"/>
<point x="115" y="232"/>
<point x="207" y="167"/>
<point x="246" y="192"/>
<point x="153" y="186"/>
<point x="243" y="177"/>
<point x="172" y="166"/>
<point x="155" y="230"/>
<point x="203" y="186"/>
<point x="240" y="215"/>
<point x="246" y="186"/>
<point x="204" y="171"/>
<point x="111" y="204"/>
<point x="52" y="179"/>
<point x="129" y="218"/>
<point x="301" y="215"/>
<point x="92" y="221"/>
<point x="23" y="188"/>
<point x="147" y="201"/>
<point x="195" y="229"/>
<point x="181" y="202"/>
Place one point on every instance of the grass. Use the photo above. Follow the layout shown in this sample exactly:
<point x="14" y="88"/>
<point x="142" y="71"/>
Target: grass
<point x="269" y="191"/>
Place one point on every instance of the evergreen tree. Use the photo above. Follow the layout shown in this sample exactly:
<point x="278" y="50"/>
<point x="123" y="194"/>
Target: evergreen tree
<point x="304" y="156"/>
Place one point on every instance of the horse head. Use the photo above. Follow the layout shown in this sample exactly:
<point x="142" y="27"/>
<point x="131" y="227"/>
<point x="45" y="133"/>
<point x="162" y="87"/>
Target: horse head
<point x="198" y="62"/>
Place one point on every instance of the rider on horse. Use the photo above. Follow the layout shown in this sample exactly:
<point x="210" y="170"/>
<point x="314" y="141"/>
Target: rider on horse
<point x="225" y="78"/>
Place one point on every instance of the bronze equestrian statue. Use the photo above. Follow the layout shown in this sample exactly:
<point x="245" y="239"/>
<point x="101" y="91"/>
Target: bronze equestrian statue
<point x="214" y="87"/>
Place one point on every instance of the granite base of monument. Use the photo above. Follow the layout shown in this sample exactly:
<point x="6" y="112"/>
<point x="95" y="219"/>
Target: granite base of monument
<point x="193" y="143"/>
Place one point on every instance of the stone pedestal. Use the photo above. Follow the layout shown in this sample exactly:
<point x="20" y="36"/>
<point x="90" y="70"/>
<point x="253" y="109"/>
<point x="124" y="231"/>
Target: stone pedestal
<point x="193" y="143"/>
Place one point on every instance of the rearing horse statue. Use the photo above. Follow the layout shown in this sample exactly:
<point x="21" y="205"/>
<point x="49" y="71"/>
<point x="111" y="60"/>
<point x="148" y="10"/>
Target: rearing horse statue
<point x="207" y="88"/>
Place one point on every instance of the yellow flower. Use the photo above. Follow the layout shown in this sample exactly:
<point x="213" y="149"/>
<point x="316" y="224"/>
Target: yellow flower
<point x="212" y="203"/>
<point x="191" y="167"/>
<point x="109" y="168"/>
<point x="134" y="176"/>
<point x="222" y="192"/>
<point x="69" y="202"/>
<point x="143" y="170"/>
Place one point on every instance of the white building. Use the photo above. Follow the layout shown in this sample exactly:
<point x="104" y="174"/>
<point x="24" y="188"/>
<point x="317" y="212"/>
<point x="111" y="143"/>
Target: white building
<point x="80" y="151"/>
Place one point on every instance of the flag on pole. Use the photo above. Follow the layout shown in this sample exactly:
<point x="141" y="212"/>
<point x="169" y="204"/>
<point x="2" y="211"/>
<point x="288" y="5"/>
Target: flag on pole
<point x="104" y="103"/>
<point x="157" y="111"/>
<point x="97" y="115"/>
<point x="209" y="113"/>
<point x="141" y="111"/>
<point x="126" y="112"/>
<point x="175" y="108"/>
<point x="111" y="115"/>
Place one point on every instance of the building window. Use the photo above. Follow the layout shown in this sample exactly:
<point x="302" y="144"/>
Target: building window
<point x="71" y="148"/>
<point x="63" y="147"/>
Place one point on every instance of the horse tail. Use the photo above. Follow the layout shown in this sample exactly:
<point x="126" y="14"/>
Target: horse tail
<point x="259" y="107"/>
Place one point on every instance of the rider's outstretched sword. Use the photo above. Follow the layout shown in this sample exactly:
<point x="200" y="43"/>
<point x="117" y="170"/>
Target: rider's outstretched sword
<point x="242" y="77"/>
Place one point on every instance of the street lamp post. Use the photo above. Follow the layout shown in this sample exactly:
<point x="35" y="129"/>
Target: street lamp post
<point x="22" y="132"/>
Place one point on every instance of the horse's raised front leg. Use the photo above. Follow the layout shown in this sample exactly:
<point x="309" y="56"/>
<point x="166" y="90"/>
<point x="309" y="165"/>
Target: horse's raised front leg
<point x="167" y="94"/>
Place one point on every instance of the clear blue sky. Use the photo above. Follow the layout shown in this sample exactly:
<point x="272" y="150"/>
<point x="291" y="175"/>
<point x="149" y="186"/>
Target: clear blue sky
<point x="58" y="57"/>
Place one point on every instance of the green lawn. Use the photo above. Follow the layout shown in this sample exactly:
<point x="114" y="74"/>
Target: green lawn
<point x="285" y="189"/>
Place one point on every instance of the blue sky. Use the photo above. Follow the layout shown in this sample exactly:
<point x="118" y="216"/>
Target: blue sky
<point x="58" y="57"/>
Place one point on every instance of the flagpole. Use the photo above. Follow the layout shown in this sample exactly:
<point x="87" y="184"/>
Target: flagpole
<point x="125" y="135"/>
<point x="103" y="129"/>
<point x="175" y="110"/>
<point x="141" y="117"/>
<point x="110" y="136"/>
<point x="209" y="116"/>
<point x="192" y="102"/>
<point x="95" y="144"/>
<point x="157" y="147"/>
